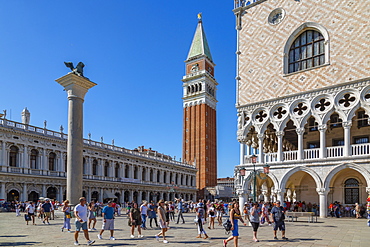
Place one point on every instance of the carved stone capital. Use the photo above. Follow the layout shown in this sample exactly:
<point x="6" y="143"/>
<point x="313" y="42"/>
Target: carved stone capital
<point x="260" y="136"/>
<point x="347" y="124"/>
<point x="279" y="133"/>
<point x="322" y="191"/>
<point x="299" y="131"/>
<point x="322" y="127"/>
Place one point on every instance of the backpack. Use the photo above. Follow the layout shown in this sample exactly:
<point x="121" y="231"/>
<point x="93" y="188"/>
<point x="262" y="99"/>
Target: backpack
<point x="279" y="216"/>
<point x="227" y="225"/>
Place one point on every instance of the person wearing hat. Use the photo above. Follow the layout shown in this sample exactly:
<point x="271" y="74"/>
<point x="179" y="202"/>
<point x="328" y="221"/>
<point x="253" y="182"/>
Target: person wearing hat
<point x="200" y="220"/>
<point x="162" y="221"/>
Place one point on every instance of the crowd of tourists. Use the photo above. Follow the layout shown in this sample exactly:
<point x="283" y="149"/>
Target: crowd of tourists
<point x="160" y="215"/>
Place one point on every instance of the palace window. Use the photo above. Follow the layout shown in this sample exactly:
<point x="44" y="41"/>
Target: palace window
<point x="52" y="160"/>
<point x="360" y="139"/>
<point x="335" y="121"/>
<point x="307" y="51"/>
<point x="351" y="191"/>
<point x="95" y="167"/>
<point x="312" y="124"/>
<point x="362" y="119"/>
<point x="106" y="169"/>
<point x="312" y="145"/>
<point x="116" y="170"/>
<point x="33" y="159"/>
<point x="338" y="142"/>
<point x="13" y="155"/>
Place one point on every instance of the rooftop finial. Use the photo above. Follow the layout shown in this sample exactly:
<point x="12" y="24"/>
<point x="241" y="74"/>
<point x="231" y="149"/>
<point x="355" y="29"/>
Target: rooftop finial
<point x="200" y="16"/>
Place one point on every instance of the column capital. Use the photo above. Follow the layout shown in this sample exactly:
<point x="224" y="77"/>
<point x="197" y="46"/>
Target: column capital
<point x="75" y="86"/>
<point x="299" y="131"/>
<point x="322" y="127"/>
<point x="347" y="124"/>
<point x="279" y="133"/>
<point x="368" y="190"/>
<point x="322" y="191"/>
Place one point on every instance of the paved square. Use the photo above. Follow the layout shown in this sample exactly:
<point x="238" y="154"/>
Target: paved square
<point x="327" y="232"/>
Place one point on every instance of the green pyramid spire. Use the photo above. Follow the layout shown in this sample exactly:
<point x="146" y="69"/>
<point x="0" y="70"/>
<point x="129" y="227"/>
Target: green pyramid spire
<point x="199" y="46"/>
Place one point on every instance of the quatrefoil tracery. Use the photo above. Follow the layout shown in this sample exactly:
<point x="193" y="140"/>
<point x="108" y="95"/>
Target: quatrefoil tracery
<point x="346" y="101"/>
<point x="300" y="109"/>
<point x="261" y="116"/>
<point x="280" y="112"/>
<point x="322" y="104"/>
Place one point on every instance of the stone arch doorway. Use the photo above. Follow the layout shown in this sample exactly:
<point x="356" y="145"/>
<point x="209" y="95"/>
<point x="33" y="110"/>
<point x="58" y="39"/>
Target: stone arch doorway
<point x="347" y="186"/>
<point x="33" y="196"/>
<point x="127" y="196"/>
<point x="135" y="196"/>
<point x="301" y="187"/>
<point x="13" y="195"/>
<point x="51" y="193"/>
<point x="95" y="196"/>
<point x="118" y="195"/>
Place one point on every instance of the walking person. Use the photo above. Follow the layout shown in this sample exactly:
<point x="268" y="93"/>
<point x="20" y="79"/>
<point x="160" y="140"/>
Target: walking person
<point x="180" y="210"/>
<point x="108" y="220"/>
<point x="152" y="214"/>
<point x="162" y="221"/>
<point x="92" y="215"/>
<point x="18" y="209"/>
<point x="80" y="212"/>
<point x="235" y="215"/>
<point x="212" y="216"/>
<point x="67" y="216"/>
<point x="144" y="214"/>
<point x="135" y="220"/>
<point x="30" y="210"/>
<point x="278" y="216"/>
<point x="201" y="213"/>
<point x="46" y="209"/>
<point x="254" y="219"/>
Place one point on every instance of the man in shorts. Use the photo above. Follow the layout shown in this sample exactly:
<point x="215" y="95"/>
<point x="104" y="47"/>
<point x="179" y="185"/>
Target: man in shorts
<point x="108" y="220"/>
<point x="81" y="221"/>
<point x="278" y="216"/>
<point x="46" y="208"/>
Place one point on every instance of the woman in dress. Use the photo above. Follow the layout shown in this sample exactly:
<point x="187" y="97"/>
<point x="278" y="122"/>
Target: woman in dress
<point x="135" y="220"/>
<point x="235" y="215"/>
<point x="67" y="216"/>
<point x="92" y="215"/>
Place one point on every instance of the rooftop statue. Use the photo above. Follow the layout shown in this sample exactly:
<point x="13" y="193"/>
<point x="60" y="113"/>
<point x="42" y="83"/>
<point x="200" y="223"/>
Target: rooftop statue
<point x="79" y="70"/>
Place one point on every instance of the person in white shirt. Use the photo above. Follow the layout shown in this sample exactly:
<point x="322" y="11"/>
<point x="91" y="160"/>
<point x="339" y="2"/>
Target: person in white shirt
<point x="144" y="213"/>
<point x="30" y="210"/>
<point x="81" y="221"/>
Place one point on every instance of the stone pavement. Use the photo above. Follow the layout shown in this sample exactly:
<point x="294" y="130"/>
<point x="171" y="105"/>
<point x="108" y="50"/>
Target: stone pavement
<point x="341" y="232"/>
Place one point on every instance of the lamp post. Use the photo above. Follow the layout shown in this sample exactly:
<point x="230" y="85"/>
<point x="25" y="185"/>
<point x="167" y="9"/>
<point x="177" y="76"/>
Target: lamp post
<point x="255" y="173"/>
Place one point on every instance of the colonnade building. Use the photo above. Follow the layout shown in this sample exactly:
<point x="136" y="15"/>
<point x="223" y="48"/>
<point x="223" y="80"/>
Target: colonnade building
<point x="303" y="100"/>
<point x="33" y="164"/>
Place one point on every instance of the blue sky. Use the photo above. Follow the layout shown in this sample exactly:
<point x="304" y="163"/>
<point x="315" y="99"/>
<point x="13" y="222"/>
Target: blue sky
<point x="134" y="51"/>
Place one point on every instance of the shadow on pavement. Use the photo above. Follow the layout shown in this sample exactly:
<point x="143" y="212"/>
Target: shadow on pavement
<point x="302" y="239"/>
<point x="18" y="243"/>
<point x="13" y="236"/>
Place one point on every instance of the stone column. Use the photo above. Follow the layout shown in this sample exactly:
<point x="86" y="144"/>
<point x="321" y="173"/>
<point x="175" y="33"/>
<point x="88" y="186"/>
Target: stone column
<point x="60" y="193"/>
<point x="44" y="162"/>
<point x="2" y="191"/>
<point x="24" y="193"/>
<point x="242" y="153"/>
<point x="242" y="199"/>
<point x="280" y="135"/>
<point x="260" y="147"/>
<point x="26" y="159"/>
<point x="43" y="190"/>
<point x="279" y="195"/>
<point x="139" y="197"/>
<point x="101" y="195"/>
<point x="131" y="195"/>
<point x="88" y="195"/>
<point x="76" y="88"/>
<point x="323" y="201"/>
<point x="123" y="199"/>
<point x="300" y="132"/>
<point x="347" y="138"/>
<point x="3" y="156"/>
<point x="322" y="129"/>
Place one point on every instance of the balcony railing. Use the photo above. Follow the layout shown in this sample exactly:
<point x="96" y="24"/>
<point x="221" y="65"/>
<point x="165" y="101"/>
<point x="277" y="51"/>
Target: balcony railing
<point x="312" y="154"/>
<point x="29" y="128"/>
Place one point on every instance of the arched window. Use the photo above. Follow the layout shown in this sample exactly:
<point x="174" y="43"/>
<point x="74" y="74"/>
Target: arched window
<point x="307" y="51"/>
<point x="143" y="175"/>
<point x="158" y="176"/>
<point x="13" y="154"/>
<point x="135" y="172"/>
<point x="127" y="171"/>
<point x="33" y="159"/>
<point x="52" y="160"/>
<point x="351" y="191"/>
<point x="151" y="175"/>
<point x="165" y="177"/>
<point x="116" y="170"/>
<point x="84" y="165"/>
<point x="106" y="169"/>
<point x="65" y="163"/>
<point x="95" y="167"/>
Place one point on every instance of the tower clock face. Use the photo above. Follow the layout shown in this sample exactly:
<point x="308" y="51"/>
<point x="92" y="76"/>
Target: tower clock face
<point x="276" y="16"/>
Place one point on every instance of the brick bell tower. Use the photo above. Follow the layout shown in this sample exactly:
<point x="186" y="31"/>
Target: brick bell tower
<point x="199" y="103"/>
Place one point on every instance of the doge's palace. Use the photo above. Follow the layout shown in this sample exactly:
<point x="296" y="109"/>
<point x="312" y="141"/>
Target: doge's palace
<point x="303" y="100"/>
